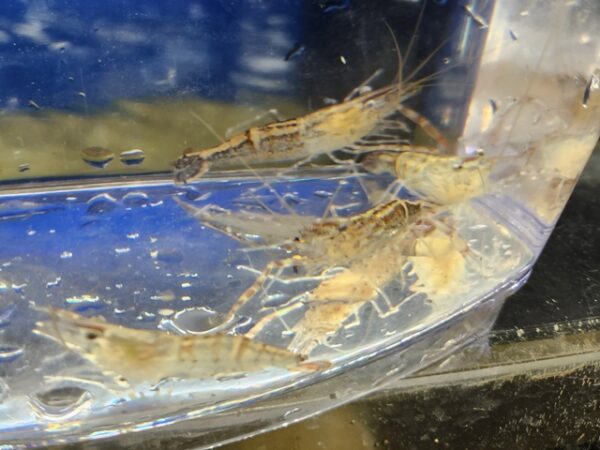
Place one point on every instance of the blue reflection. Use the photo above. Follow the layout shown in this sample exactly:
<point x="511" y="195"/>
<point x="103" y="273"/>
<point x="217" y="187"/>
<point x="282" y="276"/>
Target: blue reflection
<point x="75" y="53"/>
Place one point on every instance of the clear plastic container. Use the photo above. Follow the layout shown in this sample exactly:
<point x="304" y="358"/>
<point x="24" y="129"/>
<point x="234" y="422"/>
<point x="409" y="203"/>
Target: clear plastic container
<point x="364" y="185"/>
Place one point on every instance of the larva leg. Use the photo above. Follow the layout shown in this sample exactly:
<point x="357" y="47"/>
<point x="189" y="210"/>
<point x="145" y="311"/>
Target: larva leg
<point x="425" y="125"/>
<point x="278" y="313"/>
<point x="273" y="266"/>
<point x="286" y="281"/>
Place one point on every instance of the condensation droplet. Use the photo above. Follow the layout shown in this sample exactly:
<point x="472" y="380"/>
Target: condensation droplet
<point x="132" y="157"/>
<point x="291" y="412"/>
<point x="19" y="287"/>
<point x="133" y="199"/>
<point x="275" y="300"/>
<point x="97" y="157"/>
<point x="60" y="403"/>
<point x="9" y="354"/>
<point x="85" y="298"/>
<point x="166" y="296"/>
<point x="102" y="203"/>
<point x="323" y="194"/>
<point x="199" y="320"/>
<point x="54" y="282"/>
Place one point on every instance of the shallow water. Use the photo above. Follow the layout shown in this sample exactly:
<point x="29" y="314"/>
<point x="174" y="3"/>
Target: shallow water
<point x="132" y="255"/>
<point x="130" y="252"/>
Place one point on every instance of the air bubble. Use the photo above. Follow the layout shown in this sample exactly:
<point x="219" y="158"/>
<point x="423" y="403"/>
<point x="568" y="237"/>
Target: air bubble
<point x="291" y="412"/>
<point x="97" y="157"/>
<point x="132" y="157"/>
<point x="9" y="354"/>
<point x="85" y="298"/>
<point x="193" y="321"/>
<point x="136" y="199"/>
<point x="166" y="296"/>
<point x="101" y="204"/>
<point x="60" y="403"/>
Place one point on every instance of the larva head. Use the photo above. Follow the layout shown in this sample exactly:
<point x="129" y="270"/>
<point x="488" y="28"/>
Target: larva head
<point x="188" y="167"/>
<point x="71" y="329"/>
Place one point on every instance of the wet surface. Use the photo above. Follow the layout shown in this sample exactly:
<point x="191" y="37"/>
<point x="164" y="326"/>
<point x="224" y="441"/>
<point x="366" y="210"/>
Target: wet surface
<point x="533" y="386"/>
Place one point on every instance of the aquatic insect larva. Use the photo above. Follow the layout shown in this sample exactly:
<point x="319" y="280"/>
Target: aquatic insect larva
<point x="320" y="246"/>
<point x="149" y="356"/>
<point x="358" y="124"/>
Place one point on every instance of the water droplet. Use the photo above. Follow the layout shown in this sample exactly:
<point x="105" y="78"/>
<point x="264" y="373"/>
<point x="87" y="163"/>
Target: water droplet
<point x="291" y="412"/>
<point x="446" y="60"/>
<point x="66" y="255"/>
<point x="97" y="157"/>
<point x="513" y="36"/>
<point x="146" y="317"/>
<point x="338" y="5"/>
<point x="193" y="321"/>
<point x="188" y="275"/>
<point x="132" y="157"/>
<point x="6" y="314"/>
<point x="23" y="168"/>
<point x="133" y="235"/>
<point x="295" y="51"/>
<point x="323" y="194"/>
<point x="166" y="296"/>
<point x="19" y="287"/>
<point x="85" y="298"/>
<point x="102" y="203"/>
<point x="53" y="283"/>
<point x="9" y="354"/>
<point x="122" y="250"/>
<point x="33" y="105"/>
<point x="60" y="403"/>
<point x="275" y="300"/>
<point x="133" y="199"/>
